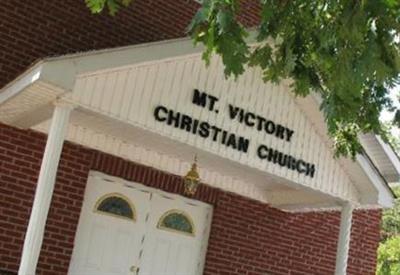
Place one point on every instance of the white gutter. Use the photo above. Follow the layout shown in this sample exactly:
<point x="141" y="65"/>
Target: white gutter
<point x="394" y="159"/>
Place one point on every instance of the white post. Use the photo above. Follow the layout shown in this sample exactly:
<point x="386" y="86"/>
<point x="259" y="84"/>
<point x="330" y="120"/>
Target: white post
<point x="44" y="189"/>
<point x="343" y="247"/>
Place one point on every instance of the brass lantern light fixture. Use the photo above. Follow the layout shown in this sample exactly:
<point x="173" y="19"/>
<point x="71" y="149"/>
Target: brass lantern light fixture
<point x="192" y="179"/>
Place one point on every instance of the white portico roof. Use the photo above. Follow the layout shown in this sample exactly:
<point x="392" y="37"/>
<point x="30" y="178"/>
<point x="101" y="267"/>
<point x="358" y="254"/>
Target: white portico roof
<point x="116" y="92"/>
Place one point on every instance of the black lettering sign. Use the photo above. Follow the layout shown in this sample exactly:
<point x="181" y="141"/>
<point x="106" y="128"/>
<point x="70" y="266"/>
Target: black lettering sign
<point x="201" y="99"/>
<point x="201" y="128"/>
<point x="206" y="130"/>
<point x="260" y="123"/>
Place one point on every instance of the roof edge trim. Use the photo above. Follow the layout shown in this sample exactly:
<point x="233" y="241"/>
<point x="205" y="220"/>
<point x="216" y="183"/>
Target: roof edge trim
<point x="21" y="82"/>
<point x="62" y="71"/>
<point x="390" y="153"/>
<point x="385" y="194"/>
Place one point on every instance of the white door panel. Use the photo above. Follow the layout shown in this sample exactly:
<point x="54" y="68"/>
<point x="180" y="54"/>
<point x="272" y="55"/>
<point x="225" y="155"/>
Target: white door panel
<point x="104" y="244"/>
<point x="111" y="245"/>
<point x="177" y="253"/>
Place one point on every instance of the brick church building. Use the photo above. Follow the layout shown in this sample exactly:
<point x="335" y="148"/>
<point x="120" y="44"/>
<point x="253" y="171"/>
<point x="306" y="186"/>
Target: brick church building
<point x="100" y="120"/>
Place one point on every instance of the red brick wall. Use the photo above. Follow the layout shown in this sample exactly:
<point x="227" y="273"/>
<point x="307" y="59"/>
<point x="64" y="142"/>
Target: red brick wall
<point x="247" y="237"/>
<point x="30" y="30"/>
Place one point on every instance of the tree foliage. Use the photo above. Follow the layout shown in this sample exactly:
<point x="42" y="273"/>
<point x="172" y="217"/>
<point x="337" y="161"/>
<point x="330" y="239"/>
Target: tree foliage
<point x="389" y="257"/>
<point x="347" y="51"/>
<point x="390" y="226"/>
<point x="389" y="248"/>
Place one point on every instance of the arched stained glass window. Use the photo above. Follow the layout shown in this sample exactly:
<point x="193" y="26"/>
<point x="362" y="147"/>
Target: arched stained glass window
<point x="176" y="221"/>
<point x="116" y="205"/>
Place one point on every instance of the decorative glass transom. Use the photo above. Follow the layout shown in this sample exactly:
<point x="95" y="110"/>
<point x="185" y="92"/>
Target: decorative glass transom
<point x="116" y="205"/>
<point x="177" y="221"/>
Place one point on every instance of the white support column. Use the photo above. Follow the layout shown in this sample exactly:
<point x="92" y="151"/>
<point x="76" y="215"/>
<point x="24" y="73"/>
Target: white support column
<point x="343" y="247"/>
<point x="44" y="189"/>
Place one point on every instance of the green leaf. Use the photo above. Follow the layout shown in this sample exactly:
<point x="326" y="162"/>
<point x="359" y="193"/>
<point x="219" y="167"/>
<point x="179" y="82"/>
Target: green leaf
<point x="224" y="21"/>
<point x="113" y="6"/>
<point x="96" y="6"/>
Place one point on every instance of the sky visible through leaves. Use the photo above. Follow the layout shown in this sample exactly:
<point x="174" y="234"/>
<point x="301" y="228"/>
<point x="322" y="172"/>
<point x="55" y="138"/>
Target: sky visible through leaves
<point x="387" y="116"/>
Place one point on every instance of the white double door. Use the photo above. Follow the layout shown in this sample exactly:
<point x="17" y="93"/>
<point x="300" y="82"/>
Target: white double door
<point x="110" y="244"/>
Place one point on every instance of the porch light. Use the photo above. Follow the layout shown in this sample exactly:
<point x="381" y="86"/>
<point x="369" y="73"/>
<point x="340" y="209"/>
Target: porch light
<point x="192" y="179"/>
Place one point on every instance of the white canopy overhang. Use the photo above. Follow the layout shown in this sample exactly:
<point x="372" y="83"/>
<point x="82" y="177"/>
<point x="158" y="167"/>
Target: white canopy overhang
<point x="115" y="92"/>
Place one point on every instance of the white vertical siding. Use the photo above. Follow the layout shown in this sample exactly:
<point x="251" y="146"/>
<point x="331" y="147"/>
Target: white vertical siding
<point x="131" y="94"/>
